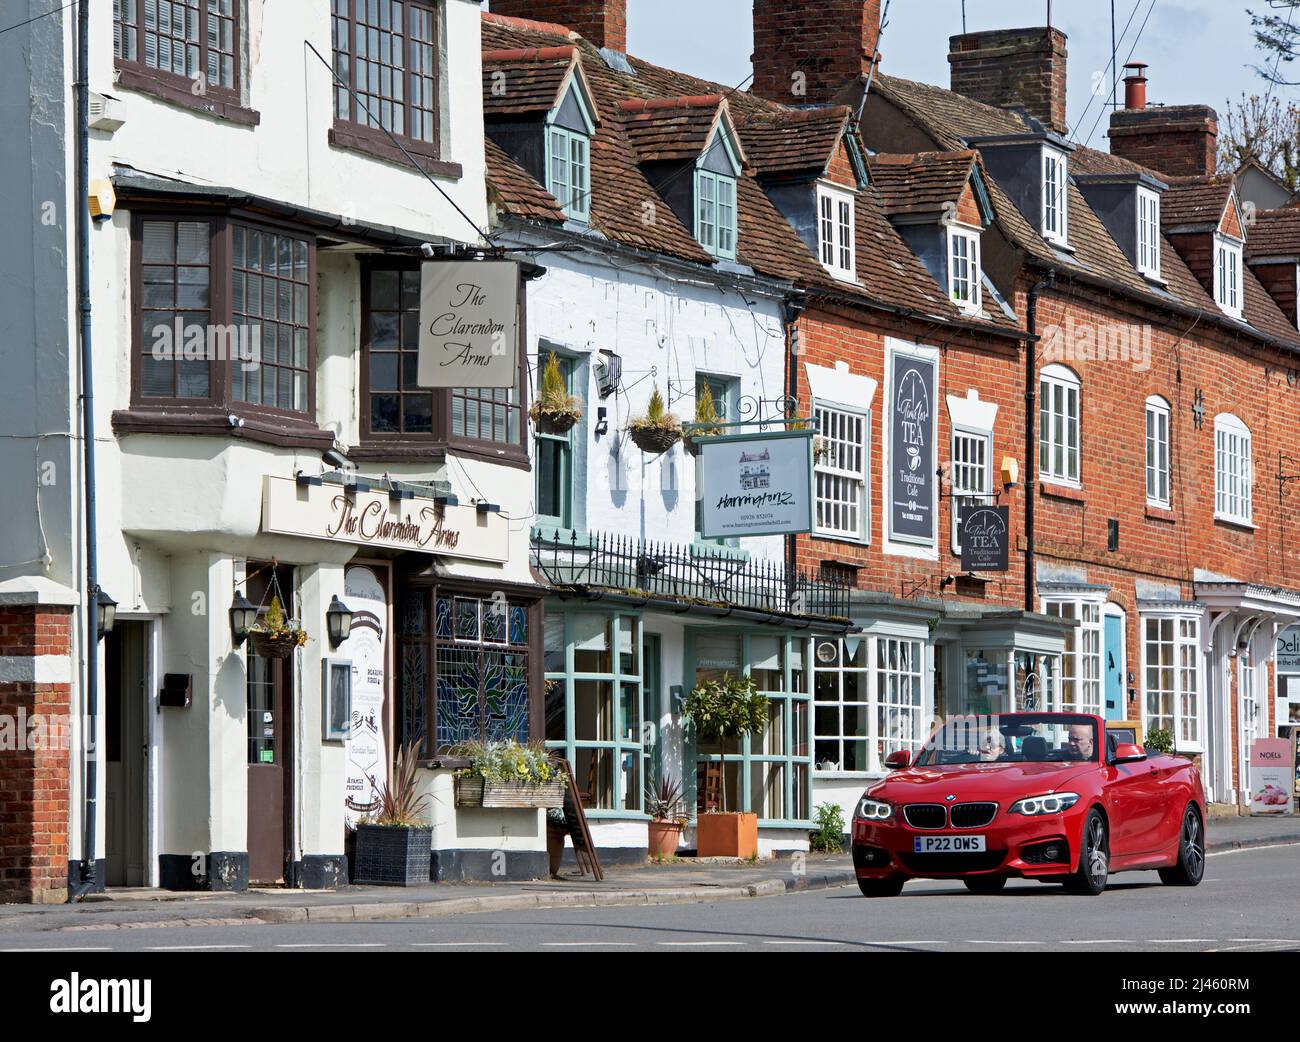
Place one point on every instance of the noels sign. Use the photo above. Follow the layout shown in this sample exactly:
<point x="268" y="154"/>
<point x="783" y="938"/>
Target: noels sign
<point x="469" y="324"/>
<point x="984" y="539"/>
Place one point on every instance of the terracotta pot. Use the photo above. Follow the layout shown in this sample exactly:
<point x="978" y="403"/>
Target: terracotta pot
<point x="555" y="837"/>
<point x="726" y="835"/>
<point x="664" y="835"/>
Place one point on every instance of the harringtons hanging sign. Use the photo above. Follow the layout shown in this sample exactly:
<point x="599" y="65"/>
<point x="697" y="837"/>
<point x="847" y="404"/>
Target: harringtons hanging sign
<point x="984" y="538"/>
<point x="469" y="324"/>
<point x="911" y="457"/>
<point x="756" y="484"/>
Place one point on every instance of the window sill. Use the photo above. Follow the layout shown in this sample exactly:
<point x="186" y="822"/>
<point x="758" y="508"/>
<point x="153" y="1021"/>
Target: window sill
<point x="1159" y="513"/>
<point x="371" y="451"/>
<point x="377" y="146"/>
<point x="1074" y="493"/>
<point x="848" y="540"/>
<point x="181" y="96"/>
<point x="215" y="422"/>
<point x="1235" y="522"/>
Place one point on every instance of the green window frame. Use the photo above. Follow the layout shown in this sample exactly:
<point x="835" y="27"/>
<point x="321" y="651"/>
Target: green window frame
<point x="715" y="213"/>
<point x="595" y="706"/>
<point x="724" y="390"/>
<point x="553" y="463"/>
<point x="775" y="767"/>
<point x="568" y="171"/>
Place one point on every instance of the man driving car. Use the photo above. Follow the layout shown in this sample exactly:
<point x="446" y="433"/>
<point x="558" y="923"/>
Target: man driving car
<point x="991" y="746"/>
<point x="1079" y="742"/>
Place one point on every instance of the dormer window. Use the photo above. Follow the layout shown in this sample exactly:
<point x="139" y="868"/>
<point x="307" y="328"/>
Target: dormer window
<point x="569" y="171"/>
<point x="964" y="268"/>
<point x="1148" y="233"/>
<point x="1227" y="275"/>
<point x="715" y="213"/>
<point x="1055" y="196"/>
<point x="835" y="231"/>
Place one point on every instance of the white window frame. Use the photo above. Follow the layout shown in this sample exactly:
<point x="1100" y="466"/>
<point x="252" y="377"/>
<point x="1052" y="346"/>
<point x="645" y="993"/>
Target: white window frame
<point x="715" y="213"/>
<point x="888" y="681"/>
<point x="1233" y="470"/>
<point x="836" y="231"/>
<point x="1148" y="232"/>
<point x="968" y="477"/>
<point x="833" y="422"/>
<point x="1081" y="687"/>
<point x="1056" y="383"/>
<point x="577" y="167"/>
<point x="842" y="667"/>
<point x="1227" y="275"/>
<point x="1186" y="674"/>
<point x="1056" y="194"/>
<point x="964" y="273"/>
<point x="1158" y="415"/>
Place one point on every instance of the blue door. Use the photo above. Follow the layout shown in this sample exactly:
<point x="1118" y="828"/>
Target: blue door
<point x="1115" y="702"/>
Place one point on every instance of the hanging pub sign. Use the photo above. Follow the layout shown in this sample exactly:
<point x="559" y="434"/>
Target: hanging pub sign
<point x="912" y="459"/>
<point x="755" y="484"/>
<point x="469" y="324"/>
<point x="984" y="534"/>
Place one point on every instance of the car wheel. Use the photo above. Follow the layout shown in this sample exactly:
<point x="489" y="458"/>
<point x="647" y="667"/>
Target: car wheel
<point x="891" y="886"/>
<point x="985" y="884"/>
<point x="1190" y="866"/>
<point x="1094" y="858"/>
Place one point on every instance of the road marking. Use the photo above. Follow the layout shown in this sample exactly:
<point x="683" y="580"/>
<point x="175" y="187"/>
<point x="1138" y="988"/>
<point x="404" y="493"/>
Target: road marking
<point x="1246" y="850"/>
<point x="331" y="944"/>
<point x="588" y="944"/>
<point x="1181" y="940"/>
<point x="458" y="944"/>
<point x="697" y="944"/>
<point x="811" y="942"/>
<point x="1116" y="940"/>
<point x="1261" y="946"/>
<point x="56" y="949"/>
<point x="194" y="947"/>
<point x="1005" y="942"/>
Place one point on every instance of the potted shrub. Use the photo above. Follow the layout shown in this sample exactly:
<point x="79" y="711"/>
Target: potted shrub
<point x="707" y="421"/>
<point x="722" y="710"/>
<point x="667" y="816"/>
<point x="556" y="410"/>
<point x="656" y="430"/>
<point x="507" y="774"/>
<point x="394" y="846"/>
<point x="274" y="636"/>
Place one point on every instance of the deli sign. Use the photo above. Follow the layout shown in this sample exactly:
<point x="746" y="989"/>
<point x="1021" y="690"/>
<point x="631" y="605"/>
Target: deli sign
<point x="469" y="324"/>
<point x="370" y="518"/>
<point x="984" y="538"/>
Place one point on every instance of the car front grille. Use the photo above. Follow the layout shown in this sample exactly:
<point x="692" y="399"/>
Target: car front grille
<point x="926" y="815"/>
<point x="981" y="861"/>
<point x="972" y="815"/>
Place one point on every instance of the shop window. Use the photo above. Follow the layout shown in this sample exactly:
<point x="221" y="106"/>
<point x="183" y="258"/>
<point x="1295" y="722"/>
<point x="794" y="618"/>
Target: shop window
<point x="595" y="705"/>
<point x="1171" y="676"/>
<point x="841" y="704"/>
<point x="900" y="671"/>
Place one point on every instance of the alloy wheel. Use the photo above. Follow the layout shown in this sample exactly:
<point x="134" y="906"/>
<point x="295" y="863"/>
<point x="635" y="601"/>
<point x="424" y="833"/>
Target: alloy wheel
<point x="1095" y="851"/>
<point x="1193" y="847"/>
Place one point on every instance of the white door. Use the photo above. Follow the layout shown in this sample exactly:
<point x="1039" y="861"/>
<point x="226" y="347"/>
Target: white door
<point x="1249" y="703"/>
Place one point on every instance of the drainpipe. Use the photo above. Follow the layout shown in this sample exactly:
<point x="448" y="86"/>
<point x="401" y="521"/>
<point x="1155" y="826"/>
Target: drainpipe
<point x="1031" y="424"/>
<point x="90" y="608"/>
<point x="791" y="308"/>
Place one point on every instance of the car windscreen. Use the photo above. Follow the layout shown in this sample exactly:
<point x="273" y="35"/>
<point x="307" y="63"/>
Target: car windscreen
<point x="1012" y="738"/>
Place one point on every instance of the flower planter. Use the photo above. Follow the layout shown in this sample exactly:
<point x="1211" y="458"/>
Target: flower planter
<point x="393" y="855"/>
<point x="726" y="835"/>
<point x="559" y="422"/>
<point x="692" y="442"/>
<point x="273" y="645"/>
<point x="664" y="835"/>
<point x="655" y="439"/>
<point x="477" y="791"/>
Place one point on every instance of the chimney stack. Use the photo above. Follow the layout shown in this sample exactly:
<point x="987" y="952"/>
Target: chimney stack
<point x="600" y="22"/>
<point x="1013" y="68"/>
<point x="807" y="52"/>
<point x="1174" y="140"/>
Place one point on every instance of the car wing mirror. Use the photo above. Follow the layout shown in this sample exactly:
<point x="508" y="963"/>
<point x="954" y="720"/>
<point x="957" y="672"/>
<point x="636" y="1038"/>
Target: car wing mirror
<point x="1128" y="753"/>
<point x="896" y="761"/>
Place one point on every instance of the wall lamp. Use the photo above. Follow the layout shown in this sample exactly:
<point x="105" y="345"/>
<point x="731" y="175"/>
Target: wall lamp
<point x="338" y="621"/>
<point x="105" y="614"/>
<point x="243" y="613"/>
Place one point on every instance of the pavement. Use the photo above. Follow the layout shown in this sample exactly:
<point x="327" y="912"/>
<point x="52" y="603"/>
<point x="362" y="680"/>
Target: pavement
<point x="684" y="881"/>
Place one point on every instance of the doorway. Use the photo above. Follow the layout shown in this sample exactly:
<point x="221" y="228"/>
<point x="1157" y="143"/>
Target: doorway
<point x="126" y="753"/>
<point x="1116" y="702"/>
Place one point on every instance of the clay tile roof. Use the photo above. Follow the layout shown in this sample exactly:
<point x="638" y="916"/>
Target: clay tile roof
<point x="1275" y="233"/>
<point x="1195" y="201"/>
<point x="670" y="128"/>
<point x="952" y="118"/>
<point x="524" y="80"/>
<point x="793" y="142"/>
<point x="514" y="189"/>
<point x="922" y="182"/>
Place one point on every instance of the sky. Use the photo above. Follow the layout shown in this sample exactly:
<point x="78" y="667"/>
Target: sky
<point x="1198" y="50"/>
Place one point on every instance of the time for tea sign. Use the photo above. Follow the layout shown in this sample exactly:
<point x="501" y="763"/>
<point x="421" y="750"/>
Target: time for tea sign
<point x="912" y="458"/>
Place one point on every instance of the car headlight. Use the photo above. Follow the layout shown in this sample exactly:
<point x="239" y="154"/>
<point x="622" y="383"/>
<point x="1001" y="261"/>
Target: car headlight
<point x="874" y="810"/>
<point x="1049" y="803"/>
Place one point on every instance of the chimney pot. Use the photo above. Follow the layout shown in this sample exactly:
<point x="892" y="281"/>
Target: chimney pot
<point x="1135" y="85"/>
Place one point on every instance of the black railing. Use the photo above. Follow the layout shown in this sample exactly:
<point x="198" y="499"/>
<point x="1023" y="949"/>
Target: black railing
<point x="689" y="574"/>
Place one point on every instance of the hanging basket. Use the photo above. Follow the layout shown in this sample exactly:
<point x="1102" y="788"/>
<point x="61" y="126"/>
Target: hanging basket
<point x="694" y="439"/>
<point x="555" y="421"/>
<point x="655" y="439"/>
<point x="274" y="645"/>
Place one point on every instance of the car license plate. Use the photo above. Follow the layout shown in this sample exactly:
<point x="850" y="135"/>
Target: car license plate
<point x="948" y="844"/>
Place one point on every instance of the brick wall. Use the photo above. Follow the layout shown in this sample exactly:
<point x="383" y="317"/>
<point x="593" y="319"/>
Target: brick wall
<point x="34" y="721"/>
<point x="1176" y="140"/>
<point x="601" y="22"/>
<point x="806" y="52"/>
<point x="1013" y="67"/>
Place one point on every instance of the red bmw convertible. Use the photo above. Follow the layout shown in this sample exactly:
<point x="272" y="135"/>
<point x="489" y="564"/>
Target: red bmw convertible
<point x="1045" y="796"/>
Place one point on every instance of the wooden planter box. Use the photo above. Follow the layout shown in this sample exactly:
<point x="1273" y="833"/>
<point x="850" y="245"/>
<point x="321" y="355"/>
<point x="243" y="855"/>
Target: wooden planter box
<point x="476" y="791"/>
<point x="392" y="856"/>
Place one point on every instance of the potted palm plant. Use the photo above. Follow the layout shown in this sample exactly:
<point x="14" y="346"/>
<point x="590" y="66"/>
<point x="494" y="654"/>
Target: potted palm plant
<point x="556" y="410"/>
<point x="273" y="635"/>
<point x="394" y="846"/>
<point x="667" y="816"/>
<point x="656" y="430"/>
<point x="707" y="421"/>
<point x="722" y="710"/>
<point x="507" y="774"/>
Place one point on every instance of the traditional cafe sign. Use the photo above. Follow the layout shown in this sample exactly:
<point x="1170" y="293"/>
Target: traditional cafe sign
<point x="335" y="513"/>
<point x="469" y="324"/>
